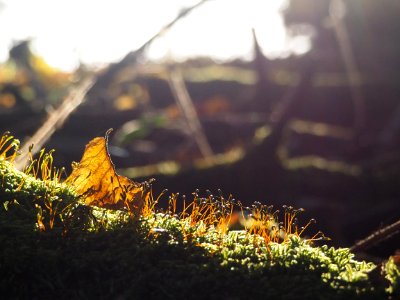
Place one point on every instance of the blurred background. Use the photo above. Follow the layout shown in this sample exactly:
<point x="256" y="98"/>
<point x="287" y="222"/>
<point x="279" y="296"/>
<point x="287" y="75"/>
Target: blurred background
<point x="284" y="102"/>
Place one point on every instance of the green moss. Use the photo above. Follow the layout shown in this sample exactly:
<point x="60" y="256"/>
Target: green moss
<point x="98" y="253"/>
<point x="393" y="275"/>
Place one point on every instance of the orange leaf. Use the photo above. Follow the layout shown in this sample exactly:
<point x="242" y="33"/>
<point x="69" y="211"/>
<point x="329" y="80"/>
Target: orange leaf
<point x="95" y="179"/>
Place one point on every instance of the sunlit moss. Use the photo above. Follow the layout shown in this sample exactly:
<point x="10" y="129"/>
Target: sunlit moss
<point x="393" y="275"/>
<point x="54" y="245"/>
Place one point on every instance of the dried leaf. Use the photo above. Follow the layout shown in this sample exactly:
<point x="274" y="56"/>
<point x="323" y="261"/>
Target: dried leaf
<point x="96" y="180"/>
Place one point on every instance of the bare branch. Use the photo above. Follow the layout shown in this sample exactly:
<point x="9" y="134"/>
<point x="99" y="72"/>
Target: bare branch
<point x="337" y="11"/>
<point x="54" y="121"/>
<point x="377" y="237"/>
<point x="77" y="96"/>
<point x="188" y="110"/>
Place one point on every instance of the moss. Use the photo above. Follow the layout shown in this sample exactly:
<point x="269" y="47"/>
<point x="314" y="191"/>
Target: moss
<point x="90" y="252"/>
<point x="392" y="272"/>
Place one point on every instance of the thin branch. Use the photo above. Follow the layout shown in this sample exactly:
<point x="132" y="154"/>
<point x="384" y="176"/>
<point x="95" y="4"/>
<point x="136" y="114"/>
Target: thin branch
<point x="54" y="121"/>
<point x="377" y="237"/>
<point x="131" y="57"/>
<point x="77" y="96"/>
<point x="182" y="14"/>
<point x="337" y="11"/>
<point x="287" y="107"/>
<point x="188" y="110"/>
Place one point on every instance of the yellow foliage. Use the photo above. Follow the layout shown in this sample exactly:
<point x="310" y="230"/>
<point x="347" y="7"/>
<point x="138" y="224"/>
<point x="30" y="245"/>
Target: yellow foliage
<point x="95" y="179"/>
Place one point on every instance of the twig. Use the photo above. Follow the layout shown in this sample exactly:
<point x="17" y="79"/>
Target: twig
<point x="131" y="57"/>
<point x="77" y="95"/>
<point x="377" y="237"/>
<point x="182" y="14"/>
<point x="287" y="107"/>
<point x="337" y="10"/>
<point x="188" y="110"/>
<point x="54" y="121"/>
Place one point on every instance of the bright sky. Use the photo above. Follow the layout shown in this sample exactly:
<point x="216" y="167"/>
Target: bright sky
<point x="65" y="32"/>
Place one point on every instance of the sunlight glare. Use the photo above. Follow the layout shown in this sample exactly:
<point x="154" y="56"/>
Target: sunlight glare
<point x="94" y="32"/>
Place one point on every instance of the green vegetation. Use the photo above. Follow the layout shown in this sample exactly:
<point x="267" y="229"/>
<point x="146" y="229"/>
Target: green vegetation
<point x="54" y="246"/>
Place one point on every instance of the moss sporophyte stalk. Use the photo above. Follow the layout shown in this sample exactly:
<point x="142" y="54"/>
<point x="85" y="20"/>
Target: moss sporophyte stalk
<point x="118" y="244"/>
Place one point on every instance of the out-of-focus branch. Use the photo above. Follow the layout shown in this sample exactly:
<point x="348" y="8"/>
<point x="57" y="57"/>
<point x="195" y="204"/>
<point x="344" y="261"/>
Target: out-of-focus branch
<point x="54" y="121"/>
<point x="77" y="96"/>
<point x="188" y="110"/>
<point x="131" y="57"/>
<point x="337" y="12"/>
<point x="377" y="237"/>
<point x="287" y="107"/>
